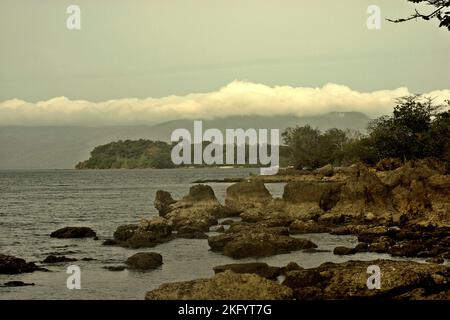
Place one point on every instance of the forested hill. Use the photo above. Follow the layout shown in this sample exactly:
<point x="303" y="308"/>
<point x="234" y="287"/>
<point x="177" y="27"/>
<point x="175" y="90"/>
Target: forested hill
<point x="129" y="154"/>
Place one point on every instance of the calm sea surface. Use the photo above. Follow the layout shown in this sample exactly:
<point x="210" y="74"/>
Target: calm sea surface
<point x="35" y="203"/>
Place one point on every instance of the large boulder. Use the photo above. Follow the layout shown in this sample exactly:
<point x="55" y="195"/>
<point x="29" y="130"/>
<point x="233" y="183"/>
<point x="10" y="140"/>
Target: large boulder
<point x="225" y="285"/>
<point x="14" y="265"/>
<point x="199" y="210"/>
<point x="148" y="233"/>
<point x="363" y="197"/>
<point x="399" y="279"/>
<point x="245" y="195"/>
<point x="308" y="199"/>
<point x="73" y="232"/>
<point x="144" y="261"/>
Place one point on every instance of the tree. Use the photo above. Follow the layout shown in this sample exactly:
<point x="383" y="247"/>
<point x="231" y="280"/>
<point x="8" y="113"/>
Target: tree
<point x="311" y="148"/>
<point x="439" y="11"/>
<point x="408" y="133"/>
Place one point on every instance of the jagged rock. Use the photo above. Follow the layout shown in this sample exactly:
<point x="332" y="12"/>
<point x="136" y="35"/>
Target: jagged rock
<point x="125" y="232"/>
<point x="388" y="164"/>
<point x="259" y="268"/>
<point x="349" y="280"/>
<point x="73" y="232"/>
<point x="147" y="234"/>
<point x="57" y="259"/>
<point x="109" y="242"/>
<point x="199" y="209"/>
<point x="162" y="202"/>
<point x="188" y="232"/>
<point x="13" y="265"/>
<point x="225" y="285"/>
<point x="144" y="261"/>
<point x="290" y="267"/>
<point x="362" y="194"/>
<point x="159" y="226"/>
<point x="312" y="196"/>
<point x="242" y="196"/>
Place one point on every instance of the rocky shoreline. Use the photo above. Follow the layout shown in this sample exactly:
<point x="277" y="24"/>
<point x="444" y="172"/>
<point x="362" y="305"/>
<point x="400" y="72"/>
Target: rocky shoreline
<point x="401" y="210"/>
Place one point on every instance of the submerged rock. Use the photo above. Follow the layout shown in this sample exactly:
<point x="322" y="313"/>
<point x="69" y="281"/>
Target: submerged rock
<point x="344" y="251"/>
<point x="225" y="285"/>
<point x="73" y="232"/>
<point x="13" y="265"/>
<point x="115" y="268"/>
<point x="57" y="259"/>
<point x="144" y="261"/>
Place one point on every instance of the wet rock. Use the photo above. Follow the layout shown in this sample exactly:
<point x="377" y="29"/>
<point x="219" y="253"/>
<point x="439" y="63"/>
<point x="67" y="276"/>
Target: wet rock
<point x="344" y="251"/>
<point x="13" y="265"/>
<point x="192" y="232"/>
<point x="73" y="232"/>
<point x="388" y="164"/>
<point x="144" y="261"/>
<point x="199" y="209"/>
<point x="57" y="259"/>
<point x="147" y="234"/>
<point x="125" y="232"/>
<point x="17" y="284"/>
<point x="362" y="247"/>
<point x="225" y="285"/>
<point x="400" y="279"/>
<point x="115" y="268"/>
<point x="158" y="226"/>
<point x="109" y="242"/>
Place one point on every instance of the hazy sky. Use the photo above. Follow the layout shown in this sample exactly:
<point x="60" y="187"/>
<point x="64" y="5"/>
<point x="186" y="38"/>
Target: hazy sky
<point x="140" y="49"/>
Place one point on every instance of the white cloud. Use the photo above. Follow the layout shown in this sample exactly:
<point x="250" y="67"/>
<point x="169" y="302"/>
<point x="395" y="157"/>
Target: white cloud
<point x="237" y="98"/>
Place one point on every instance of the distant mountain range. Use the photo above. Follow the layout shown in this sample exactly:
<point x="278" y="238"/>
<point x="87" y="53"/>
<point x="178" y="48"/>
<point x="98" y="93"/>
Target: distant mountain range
<point x="63" y="147"/>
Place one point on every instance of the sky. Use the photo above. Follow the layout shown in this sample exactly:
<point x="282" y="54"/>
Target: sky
<point x="162" y="58"/>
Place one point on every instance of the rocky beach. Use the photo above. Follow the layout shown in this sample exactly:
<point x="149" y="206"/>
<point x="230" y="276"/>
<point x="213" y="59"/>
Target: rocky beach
<point x="396" y="209"/>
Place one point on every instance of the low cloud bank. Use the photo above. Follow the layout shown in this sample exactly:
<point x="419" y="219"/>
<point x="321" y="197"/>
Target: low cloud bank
<point x="237" y="98"/>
